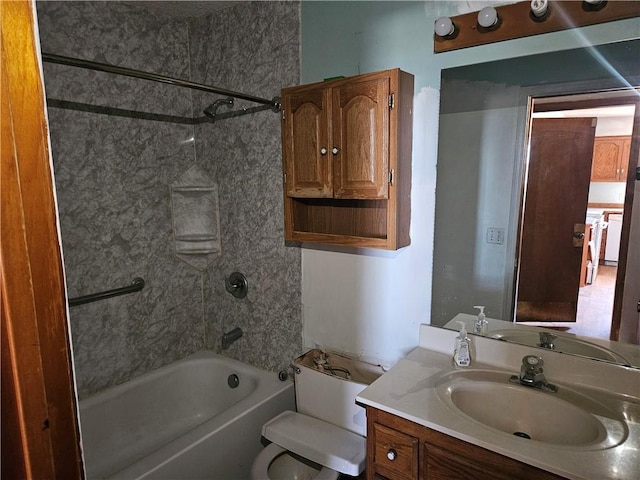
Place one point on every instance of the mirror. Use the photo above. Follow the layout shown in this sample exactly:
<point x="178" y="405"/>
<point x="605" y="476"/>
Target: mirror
<point x="484" y="116"/>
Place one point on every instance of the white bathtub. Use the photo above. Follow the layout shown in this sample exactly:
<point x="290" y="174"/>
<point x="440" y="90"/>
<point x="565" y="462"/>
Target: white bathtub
<point x="182" y="421"/>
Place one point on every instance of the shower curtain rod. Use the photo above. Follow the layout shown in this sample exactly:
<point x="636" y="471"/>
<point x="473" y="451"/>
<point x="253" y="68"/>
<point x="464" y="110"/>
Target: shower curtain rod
<point x="105" y="67"/>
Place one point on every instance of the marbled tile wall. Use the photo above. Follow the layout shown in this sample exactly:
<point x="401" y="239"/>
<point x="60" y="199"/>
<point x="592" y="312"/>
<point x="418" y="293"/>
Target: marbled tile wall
<point x="112" y="177"/>
<point x="253" y="47"/>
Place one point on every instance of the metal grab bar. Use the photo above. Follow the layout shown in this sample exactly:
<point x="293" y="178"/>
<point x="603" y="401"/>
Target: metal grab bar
<point x="136" y="286"/>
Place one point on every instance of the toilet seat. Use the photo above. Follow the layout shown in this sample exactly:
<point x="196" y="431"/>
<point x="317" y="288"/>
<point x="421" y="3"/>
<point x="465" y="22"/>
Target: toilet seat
<point x="272" y="451"/>
<point x="318" y="441"/>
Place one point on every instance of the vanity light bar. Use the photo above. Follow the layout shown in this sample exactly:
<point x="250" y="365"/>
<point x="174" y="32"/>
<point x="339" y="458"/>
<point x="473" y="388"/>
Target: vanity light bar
<point x="519" y="20"/>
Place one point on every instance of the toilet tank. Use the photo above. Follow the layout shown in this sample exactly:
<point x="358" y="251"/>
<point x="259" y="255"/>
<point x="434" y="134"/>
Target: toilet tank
<point x="327" y="385"/>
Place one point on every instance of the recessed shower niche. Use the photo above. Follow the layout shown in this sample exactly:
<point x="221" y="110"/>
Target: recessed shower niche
<point x="196" y="218"/>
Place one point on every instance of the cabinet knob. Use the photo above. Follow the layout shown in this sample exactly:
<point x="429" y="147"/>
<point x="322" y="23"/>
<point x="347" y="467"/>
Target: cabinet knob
<point x="323" y="151"/>
<point x="392" y="454"/>
<point x="335" y="150"/>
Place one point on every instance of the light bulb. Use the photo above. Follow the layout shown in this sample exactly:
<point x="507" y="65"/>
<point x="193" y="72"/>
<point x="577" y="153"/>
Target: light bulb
<point x="539" y="8"/>
<point x="444" y="27"/>
<point x="487" y="17"/>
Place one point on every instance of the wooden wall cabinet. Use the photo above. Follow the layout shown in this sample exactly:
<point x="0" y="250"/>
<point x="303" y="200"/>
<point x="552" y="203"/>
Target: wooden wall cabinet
<point x="347" y="160"/>
<point x="398" y="449"/>
<point x="610" y="159"/>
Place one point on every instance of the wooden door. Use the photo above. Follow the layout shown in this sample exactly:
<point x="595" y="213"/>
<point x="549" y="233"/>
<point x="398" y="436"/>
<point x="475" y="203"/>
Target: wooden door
<point x="306" y="144"/>
<point x="556" y="197"/>
<point x="360" y="128"/>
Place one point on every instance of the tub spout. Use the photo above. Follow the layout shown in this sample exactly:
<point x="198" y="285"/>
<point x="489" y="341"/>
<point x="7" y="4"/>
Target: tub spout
<point x="230" y="337"/>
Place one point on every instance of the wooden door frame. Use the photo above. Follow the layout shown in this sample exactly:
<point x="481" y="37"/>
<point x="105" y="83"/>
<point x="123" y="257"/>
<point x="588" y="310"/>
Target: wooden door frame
<point x="623" y="99"/>
<point x="623" y="256"/>
<point x="40" y="437"/>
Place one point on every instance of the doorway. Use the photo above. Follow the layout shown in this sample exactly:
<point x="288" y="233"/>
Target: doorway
<point x="586" y="306"/>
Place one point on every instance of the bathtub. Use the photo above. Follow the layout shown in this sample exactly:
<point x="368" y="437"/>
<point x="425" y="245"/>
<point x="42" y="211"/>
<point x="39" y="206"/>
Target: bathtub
<point x="182" y="421"/>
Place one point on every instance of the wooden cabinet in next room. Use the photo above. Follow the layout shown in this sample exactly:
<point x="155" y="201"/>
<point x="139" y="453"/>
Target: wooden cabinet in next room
<point x="347" y="160"/>
<point x="610" y="159"/>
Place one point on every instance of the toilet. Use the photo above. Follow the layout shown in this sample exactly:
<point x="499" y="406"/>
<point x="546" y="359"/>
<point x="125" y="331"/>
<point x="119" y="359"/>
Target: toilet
<point x="326" y="435"/>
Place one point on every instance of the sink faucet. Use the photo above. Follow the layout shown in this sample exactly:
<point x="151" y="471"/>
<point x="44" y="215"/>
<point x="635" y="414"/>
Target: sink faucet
<point x="546" y="340"/>
<point x="531" y="374"/>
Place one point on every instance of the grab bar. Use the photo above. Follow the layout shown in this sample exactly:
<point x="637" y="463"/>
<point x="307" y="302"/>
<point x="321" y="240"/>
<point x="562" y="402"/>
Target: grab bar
<point x="136" y="286"/>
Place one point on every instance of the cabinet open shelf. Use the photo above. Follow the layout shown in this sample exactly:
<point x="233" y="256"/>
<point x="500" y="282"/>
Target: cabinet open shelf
<point x="354" y="218"/>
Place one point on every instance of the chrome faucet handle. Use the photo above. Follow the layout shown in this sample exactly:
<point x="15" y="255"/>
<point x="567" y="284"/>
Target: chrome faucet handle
<point x="236" y="284"/>
<point x="531" y="370"/>
<point x="532" y="364"/>
<point x="531" y="374"/>
<point x="546" y="340"/>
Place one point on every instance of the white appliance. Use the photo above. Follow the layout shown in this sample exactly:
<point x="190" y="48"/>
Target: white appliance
<point x="613" y="238"/>
<point x="596" y="219"/>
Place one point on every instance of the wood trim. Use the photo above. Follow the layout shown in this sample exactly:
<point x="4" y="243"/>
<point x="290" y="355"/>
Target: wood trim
<point x="404" y="145"/>
<point x="580" y="101"/>
<point x="516" y="21"/>
<point x="43" y="438"/>
<point x="605" y="205"/>
<point x="618" y="300"/>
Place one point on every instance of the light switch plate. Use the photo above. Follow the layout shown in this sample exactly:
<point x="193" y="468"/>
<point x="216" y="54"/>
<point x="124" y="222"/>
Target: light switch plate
<point x="495" y="235"/>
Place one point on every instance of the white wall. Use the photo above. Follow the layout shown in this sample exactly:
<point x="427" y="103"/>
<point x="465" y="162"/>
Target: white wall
<point x="369" y="302"/>
<point x="480" y="155"/>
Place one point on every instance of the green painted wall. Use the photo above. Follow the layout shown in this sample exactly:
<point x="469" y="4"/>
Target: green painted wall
<point x="367" y="302"/>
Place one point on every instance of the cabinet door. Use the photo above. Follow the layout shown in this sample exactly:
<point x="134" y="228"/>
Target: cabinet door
<point x="360" y="129"/>
<point x="607" y="159"/>
<point x="624" y="159"/>
<point x="305" y="139"/>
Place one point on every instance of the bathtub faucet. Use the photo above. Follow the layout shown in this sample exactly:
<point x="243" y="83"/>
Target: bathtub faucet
<point x="230" y="337"/>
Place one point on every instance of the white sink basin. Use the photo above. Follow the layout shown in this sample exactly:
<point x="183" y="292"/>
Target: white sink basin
<point x="565" y="418"/>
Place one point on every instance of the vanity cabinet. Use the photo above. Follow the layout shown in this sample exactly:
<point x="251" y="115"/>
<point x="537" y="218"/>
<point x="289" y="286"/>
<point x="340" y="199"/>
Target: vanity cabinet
<point x="398" y="449"/>
<point x="347" y="160"/>
<point x="610" y="159"/>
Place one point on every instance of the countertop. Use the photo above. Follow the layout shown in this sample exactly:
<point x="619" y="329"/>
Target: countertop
<point x="408" y="390"/>
<point x="630" y="354"/>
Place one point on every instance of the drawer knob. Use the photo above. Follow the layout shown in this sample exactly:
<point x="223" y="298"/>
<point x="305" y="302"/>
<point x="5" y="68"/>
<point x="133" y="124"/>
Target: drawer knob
<point x="323" y="151"/>
<point x="392" y="454"/>
<point x="335" y="150"/>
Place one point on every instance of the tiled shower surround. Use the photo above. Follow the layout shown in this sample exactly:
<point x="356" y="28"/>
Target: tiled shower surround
<point x="113" y="176"/>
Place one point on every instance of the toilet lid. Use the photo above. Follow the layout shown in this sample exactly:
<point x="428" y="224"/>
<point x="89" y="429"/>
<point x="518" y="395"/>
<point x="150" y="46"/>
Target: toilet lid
<point x="319" y="441"/>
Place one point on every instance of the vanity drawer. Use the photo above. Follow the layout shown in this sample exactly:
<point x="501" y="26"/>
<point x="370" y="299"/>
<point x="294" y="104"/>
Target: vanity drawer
<point x="395" y="454"/>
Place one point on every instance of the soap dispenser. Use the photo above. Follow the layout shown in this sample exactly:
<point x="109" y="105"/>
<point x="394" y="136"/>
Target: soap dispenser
<point x="481" y="325"/>
<point x="462" y="349"/>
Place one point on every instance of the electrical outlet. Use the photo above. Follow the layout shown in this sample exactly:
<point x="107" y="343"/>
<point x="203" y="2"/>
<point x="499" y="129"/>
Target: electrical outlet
<point x="495" y="235"/>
